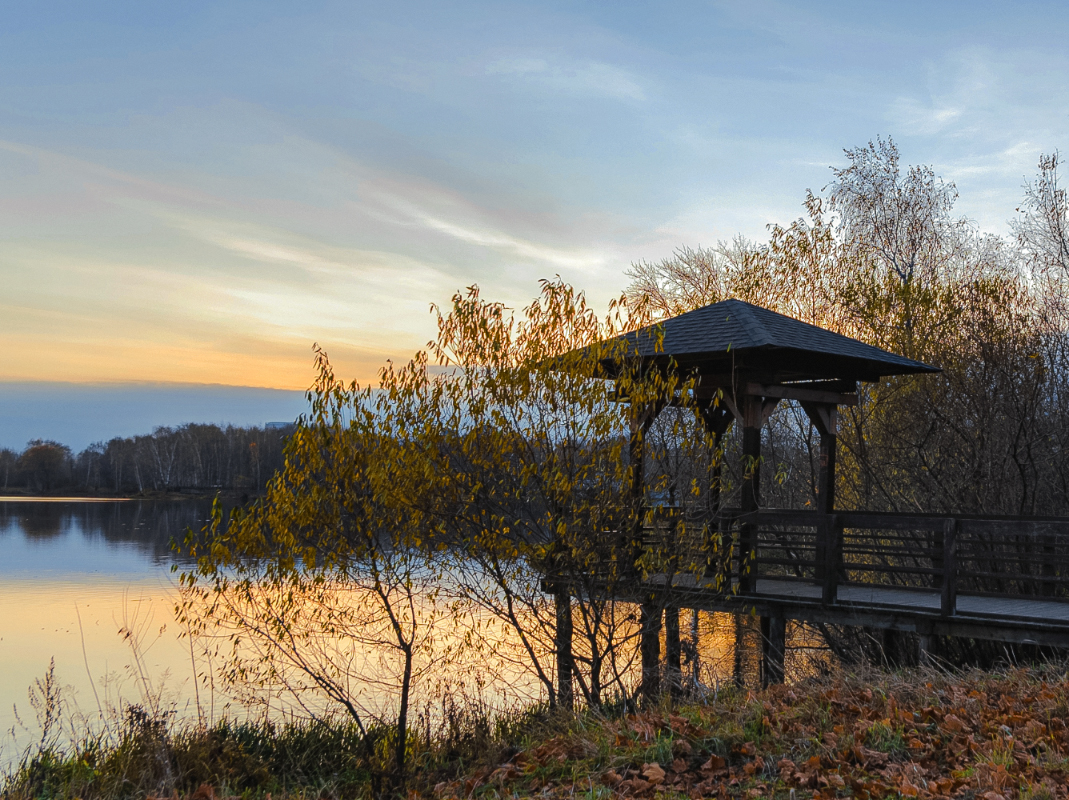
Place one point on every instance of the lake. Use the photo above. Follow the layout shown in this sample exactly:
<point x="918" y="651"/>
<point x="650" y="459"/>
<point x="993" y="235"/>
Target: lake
<point x="72" y="575"/>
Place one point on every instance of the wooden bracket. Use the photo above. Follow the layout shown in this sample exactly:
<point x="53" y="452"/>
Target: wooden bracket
<point x="824" y="416"/>
<point x="643" y="416"/>
<point x="717" y="418"/>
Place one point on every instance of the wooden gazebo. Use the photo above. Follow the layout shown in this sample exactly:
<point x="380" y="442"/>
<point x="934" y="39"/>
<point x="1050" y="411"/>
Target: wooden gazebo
<point x="747" y="359"/>
<point x="1003" y="579"/>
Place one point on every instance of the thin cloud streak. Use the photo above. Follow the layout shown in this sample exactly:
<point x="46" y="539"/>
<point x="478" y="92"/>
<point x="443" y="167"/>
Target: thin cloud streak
<point x="592" y="78"/>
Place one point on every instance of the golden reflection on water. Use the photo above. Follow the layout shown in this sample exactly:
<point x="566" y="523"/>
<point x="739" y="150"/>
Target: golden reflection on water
<point x="77" y="623"/>
<point x="81" y="625"/>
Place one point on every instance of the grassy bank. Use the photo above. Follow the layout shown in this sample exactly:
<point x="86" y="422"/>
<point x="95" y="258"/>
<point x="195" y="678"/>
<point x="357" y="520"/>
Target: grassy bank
<point x="920" y="734"/>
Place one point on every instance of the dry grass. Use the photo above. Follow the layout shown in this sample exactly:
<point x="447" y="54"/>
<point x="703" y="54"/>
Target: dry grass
<point x="867" y="735"/>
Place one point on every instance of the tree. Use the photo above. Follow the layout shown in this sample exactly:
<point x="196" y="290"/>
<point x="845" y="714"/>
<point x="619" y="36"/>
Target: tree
<point x="324" y="589"/>
<point x="1042" y="229"/>
<point x="8" y="462"/>
<point x="45" y="463"/>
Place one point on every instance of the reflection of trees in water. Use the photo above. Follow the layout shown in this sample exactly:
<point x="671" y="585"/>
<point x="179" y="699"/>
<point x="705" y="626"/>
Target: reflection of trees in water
<point x="36" y="521"/>
<point x="149" y="525"/>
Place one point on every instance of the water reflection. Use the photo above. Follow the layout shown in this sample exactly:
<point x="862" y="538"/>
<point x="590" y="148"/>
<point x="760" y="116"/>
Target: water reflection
<point x="60" y="533"/>
<point x="72" y="574"/>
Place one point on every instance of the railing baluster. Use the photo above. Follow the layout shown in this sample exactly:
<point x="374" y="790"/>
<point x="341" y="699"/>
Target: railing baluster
<point x="948" y="600"/>
<point x="1049" y="586"/>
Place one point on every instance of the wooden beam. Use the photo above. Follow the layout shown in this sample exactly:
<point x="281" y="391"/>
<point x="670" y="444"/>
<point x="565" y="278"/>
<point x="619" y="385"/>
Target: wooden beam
<point x="789" y="392"/>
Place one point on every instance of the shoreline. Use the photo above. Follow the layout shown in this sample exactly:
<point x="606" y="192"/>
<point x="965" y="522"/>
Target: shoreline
<point x="15" y="496"/>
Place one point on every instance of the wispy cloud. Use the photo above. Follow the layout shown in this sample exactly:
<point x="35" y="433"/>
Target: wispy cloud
<point x="919" y="118"/>
<point x="580" y="78"/>
<point x="484" y="235"/>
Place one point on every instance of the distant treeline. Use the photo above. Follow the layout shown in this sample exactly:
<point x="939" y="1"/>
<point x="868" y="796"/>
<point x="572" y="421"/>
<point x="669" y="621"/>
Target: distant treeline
<point x="191" y="457"/>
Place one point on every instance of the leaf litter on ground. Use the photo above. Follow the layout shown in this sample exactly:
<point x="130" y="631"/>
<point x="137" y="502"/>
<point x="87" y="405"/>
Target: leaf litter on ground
<point x="924" y="734"/>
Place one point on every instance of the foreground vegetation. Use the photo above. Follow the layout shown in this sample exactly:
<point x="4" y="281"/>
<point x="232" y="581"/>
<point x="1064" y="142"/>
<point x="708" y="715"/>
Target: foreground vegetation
<point x="923" y="733"/>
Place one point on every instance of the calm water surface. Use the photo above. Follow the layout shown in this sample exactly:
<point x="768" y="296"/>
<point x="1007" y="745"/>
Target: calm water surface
<point x="72" y="575"/>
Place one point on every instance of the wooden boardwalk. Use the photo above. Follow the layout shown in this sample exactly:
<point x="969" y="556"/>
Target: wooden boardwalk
<point x="1000" y="579"/>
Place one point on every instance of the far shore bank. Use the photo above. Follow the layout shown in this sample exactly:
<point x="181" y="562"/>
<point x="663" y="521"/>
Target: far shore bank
<point x="72" y="495"/>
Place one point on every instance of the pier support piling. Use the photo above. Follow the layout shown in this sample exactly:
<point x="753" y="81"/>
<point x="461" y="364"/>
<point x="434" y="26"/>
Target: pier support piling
<point x="650" y="646"/>
<point x="563" y="636"/>
<point x="673" y="650"/>
<point x="773" y="647"/>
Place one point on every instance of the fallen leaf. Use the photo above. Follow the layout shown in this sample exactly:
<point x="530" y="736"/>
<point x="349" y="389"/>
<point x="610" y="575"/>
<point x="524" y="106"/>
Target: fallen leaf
<point x="611" y="778"/>
<point x="714" y="763"/>
<point x="953" y="723"/>
<point x="653" y="773"/>
<point x="681" y="748"/>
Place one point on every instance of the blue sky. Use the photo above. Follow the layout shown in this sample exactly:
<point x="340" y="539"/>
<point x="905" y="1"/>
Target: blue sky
<point x="195" y="192"/>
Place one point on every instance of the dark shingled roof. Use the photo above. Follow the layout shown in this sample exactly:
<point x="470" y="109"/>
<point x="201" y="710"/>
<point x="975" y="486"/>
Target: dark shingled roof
<point x="733" y="338"/>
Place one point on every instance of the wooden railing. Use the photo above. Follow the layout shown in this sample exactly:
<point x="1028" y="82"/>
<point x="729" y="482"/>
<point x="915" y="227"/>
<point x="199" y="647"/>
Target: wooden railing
<point x="993" y="556"/>
<point x="936" y="554"/>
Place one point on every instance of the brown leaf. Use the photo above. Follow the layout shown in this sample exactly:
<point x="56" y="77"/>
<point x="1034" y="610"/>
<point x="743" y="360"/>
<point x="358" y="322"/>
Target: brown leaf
<point x="636" y="785"/>
<point x="714" y="763"/>
<point x="653" y="773"/>
<point x="681" y="748"/>
<point x="611" y="778"/>
<point x="954" y="723"/>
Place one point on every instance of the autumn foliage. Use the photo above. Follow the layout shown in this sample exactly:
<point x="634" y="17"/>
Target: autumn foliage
<point x="978" y="735"/>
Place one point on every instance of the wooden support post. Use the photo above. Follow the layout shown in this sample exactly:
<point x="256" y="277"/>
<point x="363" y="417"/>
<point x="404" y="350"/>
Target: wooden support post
<point x="828" y="446"/>
<point x="740" y="648"/>
<point x="830" y="552"/>
<point x="673" y="650"/>
<point x="563" y="643"/>
<point x="637" y="458"/>
<point x="753" y="419"/>
<point x="650" y="615"/>
<point x="695" y="661"/>
<point x="924" y="649"/>
<point x="717" y="419"/>
<point x="825" y="418"/>
<point x="949" y="595"/>
<point x="773" y="648"/>
<point x="650" y="647"/>
<point x="938" y="546"/>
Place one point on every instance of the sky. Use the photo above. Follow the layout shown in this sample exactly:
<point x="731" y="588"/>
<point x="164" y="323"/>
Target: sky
<point x="193" y="194"/>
